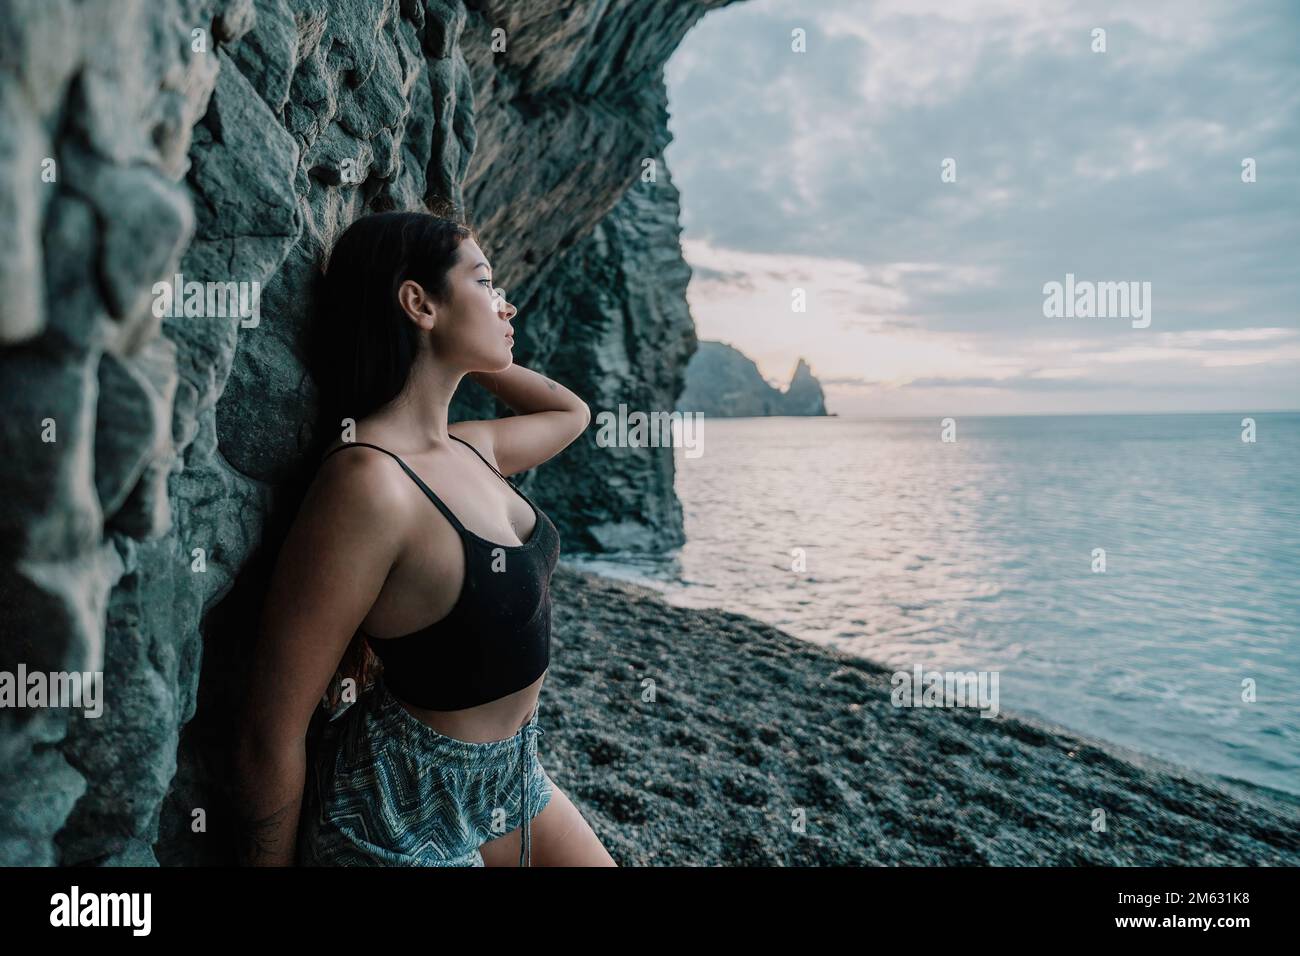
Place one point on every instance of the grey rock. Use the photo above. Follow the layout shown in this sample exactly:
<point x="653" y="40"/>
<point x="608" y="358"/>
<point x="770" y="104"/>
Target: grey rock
<point x="133" y="439"/>
<point x="803" y="396"/>
<point x="142" y="537"/>
<point x="630" y="338"/>
<point x="23" y="148"/>
<point x="722" y="382"/>
<point x="77" y="321"/>
<point x="146" y="222"/>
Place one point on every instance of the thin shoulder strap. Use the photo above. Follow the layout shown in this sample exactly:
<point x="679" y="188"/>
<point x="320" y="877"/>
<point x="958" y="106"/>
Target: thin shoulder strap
<point x="517" y="490"/>
<point x="485" y="461"/>
<point x="447" y="512"/>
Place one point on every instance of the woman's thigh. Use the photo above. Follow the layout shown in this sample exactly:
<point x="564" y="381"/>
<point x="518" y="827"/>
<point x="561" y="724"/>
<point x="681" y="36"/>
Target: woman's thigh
<point x="560" y="837"/>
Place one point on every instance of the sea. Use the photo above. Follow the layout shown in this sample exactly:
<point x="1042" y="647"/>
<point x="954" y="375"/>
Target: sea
<point x="1130" y="577"/>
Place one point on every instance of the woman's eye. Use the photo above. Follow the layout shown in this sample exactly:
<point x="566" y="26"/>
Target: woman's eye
<point x="488" y="281"/>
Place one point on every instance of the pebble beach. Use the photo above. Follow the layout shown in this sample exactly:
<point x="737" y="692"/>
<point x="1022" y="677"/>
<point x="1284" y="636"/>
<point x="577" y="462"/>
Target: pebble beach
<point x="705" y="738"/>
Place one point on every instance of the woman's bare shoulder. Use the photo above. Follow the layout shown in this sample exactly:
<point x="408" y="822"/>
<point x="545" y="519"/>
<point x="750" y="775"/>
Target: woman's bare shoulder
<point x="357" y="476"/>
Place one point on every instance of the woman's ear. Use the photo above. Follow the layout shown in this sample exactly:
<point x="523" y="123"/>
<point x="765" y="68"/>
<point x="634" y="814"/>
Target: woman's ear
<point x="418" y="306"/>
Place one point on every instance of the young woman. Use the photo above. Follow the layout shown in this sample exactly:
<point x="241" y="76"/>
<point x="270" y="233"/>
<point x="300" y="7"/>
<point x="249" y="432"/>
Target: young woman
<point x="412" y="547"/>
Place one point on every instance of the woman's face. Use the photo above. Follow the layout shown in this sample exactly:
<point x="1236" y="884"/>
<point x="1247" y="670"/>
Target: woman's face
<point x="476" y="330"/>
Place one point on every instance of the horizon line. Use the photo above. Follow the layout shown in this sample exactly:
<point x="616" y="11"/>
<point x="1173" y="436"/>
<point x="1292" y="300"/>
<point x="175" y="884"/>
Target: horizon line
<point x="1260" y="411"/>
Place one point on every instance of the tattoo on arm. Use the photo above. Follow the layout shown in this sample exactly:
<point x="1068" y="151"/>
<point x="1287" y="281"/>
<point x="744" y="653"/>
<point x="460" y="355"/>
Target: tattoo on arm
<point x="257" y="837"/>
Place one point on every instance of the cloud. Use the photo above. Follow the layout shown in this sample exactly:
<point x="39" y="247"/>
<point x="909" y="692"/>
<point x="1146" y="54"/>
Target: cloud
<point x="822" y="171"/>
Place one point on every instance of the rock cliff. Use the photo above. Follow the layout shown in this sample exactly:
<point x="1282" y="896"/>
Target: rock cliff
<point x="722" y="382"/>
<point x="147" y="457"/>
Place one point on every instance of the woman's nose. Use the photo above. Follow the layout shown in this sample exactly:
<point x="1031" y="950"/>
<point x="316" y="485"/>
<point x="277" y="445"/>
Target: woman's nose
<point x="502" y="305"/>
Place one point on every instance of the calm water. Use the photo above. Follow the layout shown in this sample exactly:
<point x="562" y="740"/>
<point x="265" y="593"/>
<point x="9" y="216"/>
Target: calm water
<point x="977" y="555"/>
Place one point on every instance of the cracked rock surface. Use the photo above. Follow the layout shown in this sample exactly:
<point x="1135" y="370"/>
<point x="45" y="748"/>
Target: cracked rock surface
<point x="230" y="141"/>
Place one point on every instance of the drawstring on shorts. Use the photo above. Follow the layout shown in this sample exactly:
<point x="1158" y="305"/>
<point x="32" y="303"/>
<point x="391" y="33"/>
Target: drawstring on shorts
<point x="527" y="760"/>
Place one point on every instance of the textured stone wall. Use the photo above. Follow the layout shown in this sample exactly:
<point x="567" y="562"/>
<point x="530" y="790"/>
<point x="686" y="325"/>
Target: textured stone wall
<point x="144" y="458"/>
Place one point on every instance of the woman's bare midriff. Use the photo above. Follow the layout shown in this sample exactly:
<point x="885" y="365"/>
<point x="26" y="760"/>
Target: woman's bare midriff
<point x="498" y="719"/>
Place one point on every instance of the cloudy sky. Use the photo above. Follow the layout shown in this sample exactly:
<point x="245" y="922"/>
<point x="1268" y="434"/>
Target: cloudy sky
<point x="822" y="170"/>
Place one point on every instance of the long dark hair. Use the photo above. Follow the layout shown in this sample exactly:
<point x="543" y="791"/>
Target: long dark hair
<point x="362" y="346"/>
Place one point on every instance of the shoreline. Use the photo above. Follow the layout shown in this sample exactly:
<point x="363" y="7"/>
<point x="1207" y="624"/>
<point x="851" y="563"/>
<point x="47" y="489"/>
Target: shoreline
<point x="751" y="729"/>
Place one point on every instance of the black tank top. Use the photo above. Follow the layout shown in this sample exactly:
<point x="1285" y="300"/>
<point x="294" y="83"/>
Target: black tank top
<point x="497" y="637"/>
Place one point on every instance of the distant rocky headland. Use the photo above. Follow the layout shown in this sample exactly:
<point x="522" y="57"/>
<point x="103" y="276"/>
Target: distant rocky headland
<point x="722" y="382"/>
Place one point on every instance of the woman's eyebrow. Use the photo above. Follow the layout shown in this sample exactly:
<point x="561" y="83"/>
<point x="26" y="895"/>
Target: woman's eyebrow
<point x="483" y="265"/>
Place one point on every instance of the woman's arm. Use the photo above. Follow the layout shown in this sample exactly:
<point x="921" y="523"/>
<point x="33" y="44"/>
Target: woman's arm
<point x="270" y="787"/>
<point x="549" y="418"/>
<point x="527" y="392"/>
<point x="335" y="559"/>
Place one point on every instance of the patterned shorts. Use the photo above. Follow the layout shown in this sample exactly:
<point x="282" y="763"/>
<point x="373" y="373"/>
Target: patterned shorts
<point x="386" y="789"/>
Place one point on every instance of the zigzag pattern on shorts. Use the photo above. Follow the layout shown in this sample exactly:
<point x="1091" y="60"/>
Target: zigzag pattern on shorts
<point x="374" y="801"/>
